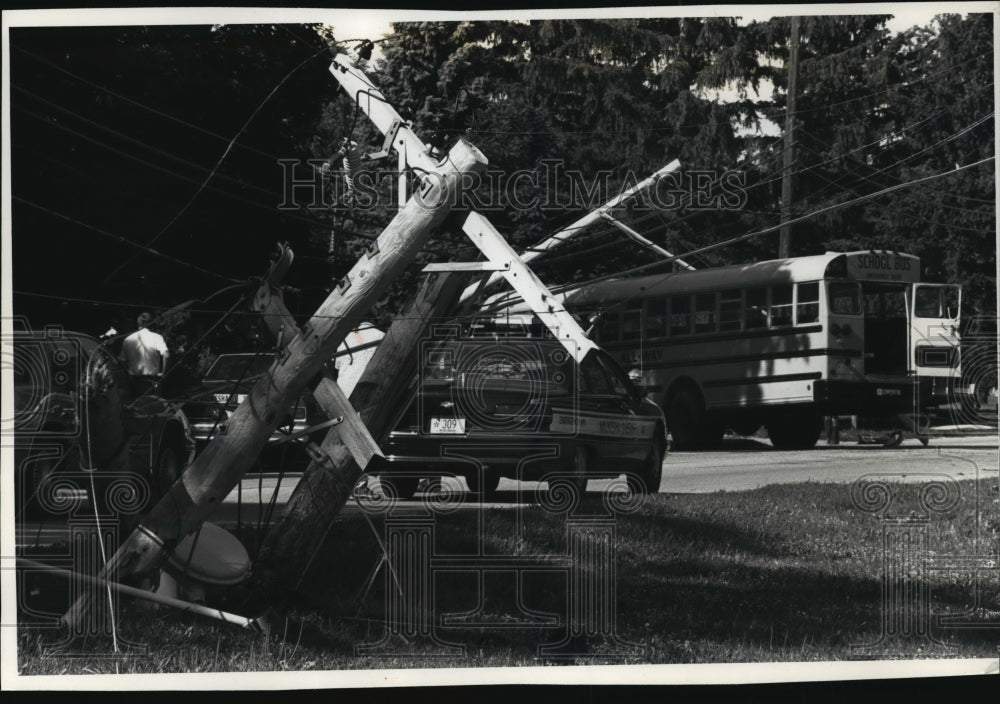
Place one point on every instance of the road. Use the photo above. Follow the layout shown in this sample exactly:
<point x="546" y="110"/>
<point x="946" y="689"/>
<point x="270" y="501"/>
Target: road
<point x="748" y="464"/>
<point x="738" y="465"/>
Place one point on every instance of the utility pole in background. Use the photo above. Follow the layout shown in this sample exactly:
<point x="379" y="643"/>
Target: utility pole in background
<point x="784" y="242"/>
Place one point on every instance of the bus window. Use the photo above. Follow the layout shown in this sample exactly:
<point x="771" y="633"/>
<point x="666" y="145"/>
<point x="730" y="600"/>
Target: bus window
<point x="756" y="308"/>
<point x="730" y="310"/>
<point x="680" y="315"/>
<point x="656" y="317"/>
<point x="704" y="312"/>
<point x="844" y="299"/>
<point x="884" y="302"/>
<point x="608" y="326"/>
<point x="632" y="322"/>
<point x="807" y="310"/>
<point x="927" y="302"/>
<point x="781" y="305"/>
<point x="952" y="300"/>
<point x="936" y="302"/>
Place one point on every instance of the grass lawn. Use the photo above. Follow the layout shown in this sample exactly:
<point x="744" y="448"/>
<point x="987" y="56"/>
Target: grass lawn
<point x="788" y="572"/>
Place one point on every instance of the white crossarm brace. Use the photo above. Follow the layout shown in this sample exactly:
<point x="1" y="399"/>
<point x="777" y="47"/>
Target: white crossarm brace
<point x="574" y="228"/>
<point x="523" y="280"/>
<point x="490" y="242"/>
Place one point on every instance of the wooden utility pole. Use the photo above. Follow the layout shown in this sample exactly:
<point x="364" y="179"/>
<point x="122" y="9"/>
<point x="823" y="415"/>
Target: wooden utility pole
<point x="299" y="533"/>
<point x="218" y="469"/>
<point x="785" y="238"/>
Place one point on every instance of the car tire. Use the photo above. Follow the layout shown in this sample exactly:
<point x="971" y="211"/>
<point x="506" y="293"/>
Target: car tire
<point x="647" y="479"/>
<point x="482" y="481"/>
<point x="686" y="419"/>
<point x="400" y="487"/>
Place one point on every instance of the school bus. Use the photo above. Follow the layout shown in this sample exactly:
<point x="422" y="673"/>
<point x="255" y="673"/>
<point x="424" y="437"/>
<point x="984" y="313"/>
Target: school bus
<point x="783" y="343"/>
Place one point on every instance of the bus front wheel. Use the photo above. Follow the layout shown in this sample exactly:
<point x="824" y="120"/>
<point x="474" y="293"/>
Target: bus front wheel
<point x="794" y="431"/>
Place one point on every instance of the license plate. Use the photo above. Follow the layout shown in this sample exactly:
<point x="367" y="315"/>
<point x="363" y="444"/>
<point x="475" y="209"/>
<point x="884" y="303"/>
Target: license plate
<point x="222" y="398"/>
<point x="447" y="426"/>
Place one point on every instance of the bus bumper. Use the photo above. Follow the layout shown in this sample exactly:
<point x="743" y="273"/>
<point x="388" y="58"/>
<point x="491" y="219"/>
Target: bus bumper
<point x="864" y="398"/>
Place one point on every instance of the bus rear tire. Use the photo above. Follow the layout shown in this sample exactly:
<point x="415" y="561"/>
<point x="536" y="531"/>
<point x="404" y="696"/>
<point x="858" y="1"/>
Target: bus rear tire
<point x="794" y="431"/>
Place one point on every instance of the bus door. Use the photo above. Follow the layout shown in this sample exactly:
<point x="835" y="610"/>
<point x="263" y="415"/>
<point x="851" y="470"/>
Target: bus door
<point x="934" y="330"/>
<point x="886" y="327"/>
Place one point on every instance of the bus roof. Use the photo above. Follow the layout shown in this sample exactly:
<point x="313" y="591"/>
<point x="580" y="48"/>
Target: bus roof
<point x="857" y="265"/>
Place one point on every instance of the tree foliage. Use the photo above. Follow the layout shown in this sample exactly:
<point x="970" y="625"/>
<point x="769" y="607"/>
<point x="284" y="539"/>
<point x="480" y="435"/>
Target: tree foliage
<point x="623" y="97"/>
<point x="170" y="137"/>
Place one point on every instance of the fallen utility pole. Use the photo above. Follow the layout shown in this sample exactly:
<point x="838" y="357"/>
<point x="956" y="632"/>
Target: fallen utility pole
<point x="269" y="302"/>
<point x="214" y="473"/>
<point x="327" y="483"/>
<point x="299" y="533"/>
<point x="573" y="229"/>
<point x="649" y="244"/>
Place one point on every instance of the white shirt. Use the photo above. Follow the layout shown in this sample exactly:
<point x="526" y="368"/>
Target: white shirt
<point x="351" y="366"/>
<point x="144" y="352"/>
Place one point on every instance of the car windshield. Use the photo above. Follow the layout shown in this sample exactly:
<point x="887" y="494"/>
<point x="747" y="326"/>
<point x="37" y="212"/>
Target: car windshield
<point x="230" y="367"/>
<point x="507" y="365"/>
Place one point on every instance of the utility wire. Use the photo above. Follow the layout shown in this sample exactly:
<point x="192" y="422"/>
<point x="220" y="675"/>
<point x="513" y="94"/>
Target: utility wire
<point x="295" y="216"/>
<point x="218" y="163"/>
<point x="132" y="101"/>
<point x="124" y="240"/>
<point x="740" y="238"/>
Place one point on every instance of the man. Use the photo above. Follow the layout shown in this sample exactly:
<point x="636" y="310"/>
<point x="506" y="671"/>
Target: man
<point x="145" y="355"/>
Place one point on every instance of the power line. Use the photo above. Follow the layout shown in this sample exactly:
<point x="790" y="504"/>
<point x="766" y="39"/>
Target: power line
<point x="893" y="88"/>
<point x="124" y="240"/>
<point x="801" y="218"/>
<point x="138" y="104"/>
<point x="222" y="158"/>
<point x="293" y="216"/>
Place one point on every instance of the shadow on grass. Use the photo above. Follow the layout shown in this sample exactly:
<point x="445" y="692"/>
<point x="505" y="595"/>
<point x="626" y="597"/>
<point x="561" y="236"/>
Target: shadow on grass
<point x="701" y="580"/>
<point x="782" y="573"/>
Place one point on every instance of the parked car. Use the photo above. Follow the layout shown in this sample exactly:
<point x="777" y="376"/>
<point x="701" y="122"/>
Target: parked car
<point x="495" y="404"/>
<point x="224" y="387"/>
<point x="78" y="432"/>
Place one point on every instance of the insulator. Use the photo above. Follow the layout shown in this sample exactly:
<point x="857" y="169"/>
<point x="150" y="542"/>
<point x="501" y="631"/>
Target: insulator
<point x="352" y="165"/>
